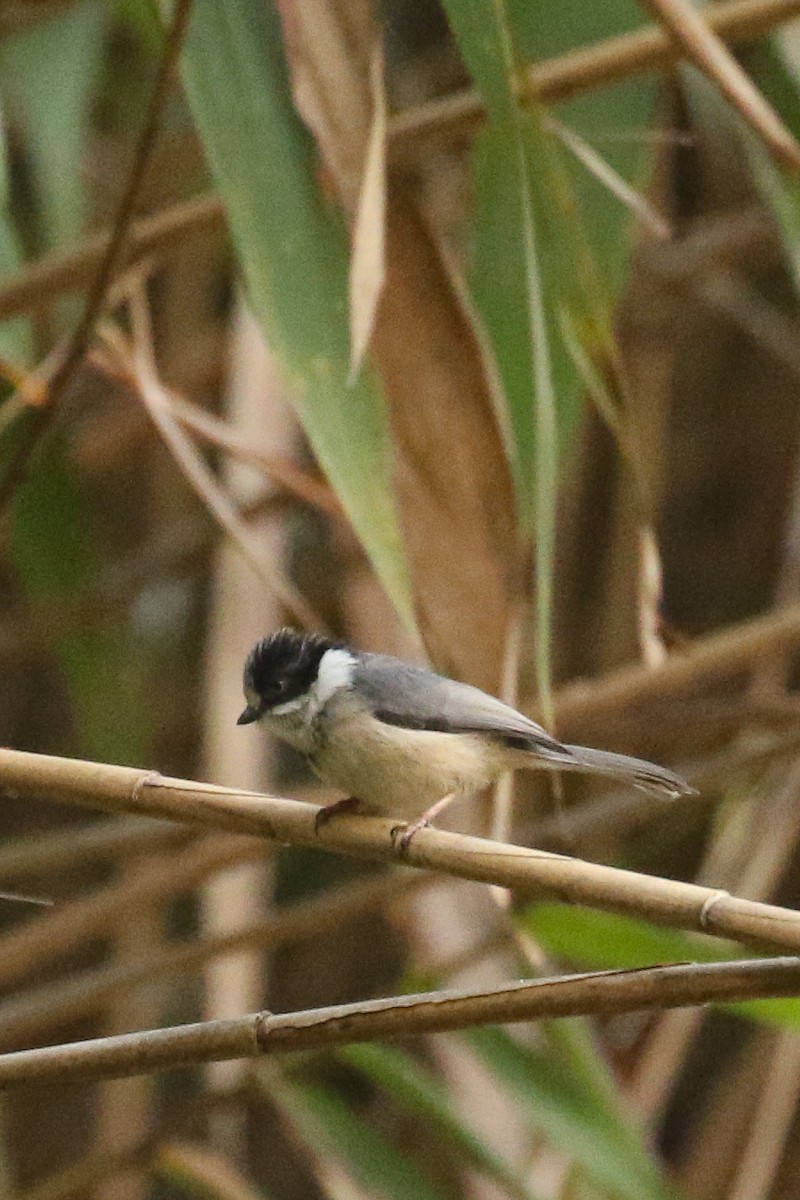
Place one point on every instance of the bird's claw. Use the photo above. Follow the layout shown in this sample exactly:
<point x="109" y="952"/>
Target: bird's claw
<point x="403" y="835"/>
<point x="350" y="804"/>
<point x="394" y="834"/>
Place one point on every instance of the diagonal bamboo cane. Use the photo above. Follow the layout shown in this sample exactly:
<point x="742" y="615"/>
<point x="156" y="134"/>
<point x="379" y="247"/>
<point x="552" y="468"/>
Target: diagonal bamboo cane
<point x="530" y="872"/>
<point x="589" y="67"/>
<point x="676" y="986"/>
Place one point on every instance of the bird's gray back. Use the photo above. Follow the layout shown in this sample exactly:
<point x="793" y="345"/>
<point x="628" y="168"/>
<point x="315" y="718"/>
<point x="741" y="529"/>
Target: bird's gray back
<point x="414" y="698"/>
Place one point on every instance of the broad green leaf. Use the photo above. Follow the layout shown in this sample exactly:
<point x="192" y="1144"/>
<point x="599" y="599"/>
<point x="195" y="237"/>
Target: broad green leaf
<point x="766" y="62"/>
<point x="16" y="342"/>
<point x="551" y="245"/>
<point x="610" y="942"/>
<point x="500" y="285"/>
<point x="294" y="256"/>
<point x="49" y="73"/>
<point x="616" y="121"/>
<point x="417" y="1090"/>
<point x="510" y="268"/>
<point x="599" y="939"/>
<point x="584" y="233"/>
<point x="142" y="16"/>
<point x="610" y="1153"/>
<point x="53" y="554"/>
<point x="333" y="1129"/>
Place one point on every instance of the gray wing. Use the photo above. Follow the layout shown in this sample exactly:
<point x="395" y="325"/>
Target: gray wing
<point x="414" y="698"/>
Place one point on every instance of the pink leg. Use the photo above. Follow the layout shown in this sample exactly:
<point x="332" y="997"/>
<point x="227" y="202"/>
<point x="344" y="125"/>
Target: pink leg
<point x="351" y="804"/>
<point x="410" y="831"/>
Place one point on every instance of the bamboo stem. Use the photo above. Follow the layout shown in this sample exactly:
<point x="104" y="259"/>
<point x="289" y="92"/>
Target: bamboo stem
<point x="678" y="986"/>
<point x="69" y="270"/>
<point x="30" y="946"/>
<point x="26" y="1017"/>
<point x="714" y="657"/>
<point x="530" y="872"/>
<point x="701" y="46"/>
<point x="589" y="67"/>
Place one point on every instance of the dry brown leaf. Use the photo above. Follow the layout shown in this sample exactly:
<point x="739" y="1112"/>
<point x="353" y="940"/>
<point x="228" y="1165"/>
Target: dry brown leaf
<point x="453" y="479"/>
<point x="452" y="476"/>
<point x="136" y="361"/>
<point x="328" y="48"/>
<point x="367" y="264"/>
<point x="604" y="173"/>
<point x="708" y="52"/>
<point x="651" y="593"/>
<point x="204" y="1172"/>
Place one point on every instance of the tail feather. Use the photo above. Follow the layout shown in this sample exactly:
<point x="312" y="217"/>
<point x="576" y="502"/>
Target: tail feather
<point x="645" y="775"/>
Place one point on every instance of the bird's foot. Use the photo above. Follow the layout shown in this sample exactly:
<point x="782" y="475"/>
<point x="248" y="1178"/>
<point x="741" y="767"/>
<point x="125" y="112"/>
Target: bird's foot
<point x="351" y="805"/>
<point x="403" y="835"/>
<point x="409" y="832"/>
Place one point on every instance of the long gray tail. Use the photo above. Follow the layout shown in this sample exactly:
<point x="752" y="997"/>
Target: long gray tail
<point x="644" y="775"/>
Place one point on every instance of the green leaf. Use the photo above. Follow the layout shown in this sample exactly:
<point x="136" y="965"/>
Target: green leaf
<point x="50" y="71"/>
<point x="609" y="942"/>
<point x="331" y="1128"/>
<point x="500" y="281"/>
<point x="610" y="1152"/>
<point x="616" y="120"/>
<point x="512" y="295"/>
<point x="551" y="246"/>
<point x="54" y="556"/>
<point x="143" y="19"/>
<point x="418" y="1091"/>
<point x="779" y="187"/>
<point x="598" y="939"/>
<point x="16" y="341"/>
<point x="294" y="256"/>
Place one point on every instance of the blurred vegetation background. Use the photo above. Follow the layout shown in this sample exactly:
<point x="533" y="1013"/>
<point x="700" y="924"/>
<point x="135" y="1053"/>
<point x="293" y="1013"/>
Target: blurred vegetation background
<point x="468" y="334"/>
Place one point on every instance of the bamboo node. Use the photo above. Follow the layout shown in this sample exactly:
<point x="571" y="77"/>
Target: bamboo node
<point x="148" y="779"/>
<point x="705" y="911"/>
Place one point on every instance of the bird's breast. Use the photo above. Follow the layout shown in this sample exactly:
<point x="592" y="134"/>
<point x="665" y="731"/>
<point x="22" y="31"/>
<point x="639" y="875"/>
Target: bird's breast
<point x="400" y="772"/>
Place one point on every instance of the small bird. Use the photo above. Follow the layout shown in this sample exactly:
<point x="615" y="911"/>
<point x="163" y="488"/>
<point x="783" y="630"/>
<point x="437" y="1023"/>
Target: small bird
<point x="401" y="740"/>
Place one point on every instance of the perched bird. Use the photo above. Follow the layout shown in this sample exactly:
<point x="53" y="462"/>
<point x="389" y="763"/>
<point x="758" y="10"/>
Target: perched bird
<point x="401" y="740"/>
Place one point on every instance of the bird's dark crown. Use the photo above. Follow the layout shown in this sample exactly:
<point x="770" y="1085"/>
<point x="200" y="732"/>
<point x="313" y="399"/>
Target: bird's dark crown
<point x="284" y="665"/>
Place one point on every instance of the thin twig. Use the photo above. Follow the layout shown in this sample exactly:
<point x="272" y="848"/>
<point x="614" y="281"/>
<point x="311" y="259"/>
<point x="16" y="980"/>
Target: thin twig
<point x="304" y="484"/>
<point x="25" y="1017"/>
<point x="37" y="777"/>
<point x="605" y="174"/>
<point x="39" y="941"/>
<point x="710" y="55"/>
<point x="280" y="470"/>
<point x="714" y="657"/>
<point x="590" y="67"/>
<point x="96" y="298"/>
<point x="146" y="143"/>
<point x="140" y="370"/>
<point x="68" y="270"/>
<point x="93" y="843"/>
<point x="599" y="992"/>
